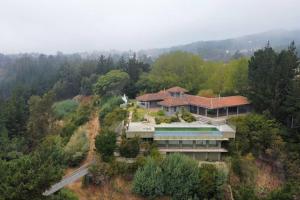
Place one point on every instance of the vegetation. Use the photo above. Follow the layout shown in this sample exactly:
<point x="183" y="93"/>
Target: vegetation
<point x="64" y="108"/>
<point x="148" y="181"/>
<point x="166" y="119"/>
<point x="177" y="176"/>
<point x="77" y="147"/>
<point x="106" y="144"/>
<point x="38" y="136"/>
<point x="111" y="83"/>
<point x="191" y="72"/>
<point x="187" y="116"/>
<point x="129" y="148"/>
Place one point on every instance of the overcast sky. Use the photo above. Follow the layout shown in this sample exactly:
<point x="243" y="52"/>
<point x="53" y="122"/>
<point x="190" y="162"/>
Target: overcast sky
<point x="71" y="26"/>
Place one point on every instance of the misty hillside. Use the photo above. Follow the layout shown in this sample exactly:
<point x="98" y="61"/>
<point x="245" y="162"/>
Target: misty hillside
<point x="225" y="49"/>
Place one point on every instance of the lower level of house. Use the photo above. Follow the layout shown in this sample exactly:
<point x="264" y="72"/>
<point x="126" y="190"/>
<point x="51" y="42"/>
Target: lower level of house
<point x="200" y="141"/>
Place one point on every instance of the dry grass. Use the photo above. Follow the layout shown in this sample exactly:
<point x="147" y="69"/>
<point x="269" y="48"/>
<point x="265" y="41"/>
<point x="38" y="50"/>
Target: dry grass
<point x="266" y="180"/>
<point x="116" y="189"/>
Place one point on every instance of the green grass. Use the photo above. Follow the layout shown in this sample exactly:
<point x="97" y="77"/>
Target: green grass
<point x="200" y="129"/>
<point x="77" y="147"/>
<point x="64" y="108"/>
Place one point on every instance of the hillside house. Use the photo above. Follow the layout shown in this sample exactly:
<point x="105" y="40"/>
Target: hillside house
<point x="174" y="99"/>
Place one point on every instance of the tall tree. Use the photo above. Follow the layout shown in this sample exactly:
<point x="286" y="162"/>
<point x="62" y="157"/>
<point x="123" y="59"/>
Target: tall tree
<point x="112" y="83"/>
<point x="40" y="117"/>
<point x="271" y="79"/>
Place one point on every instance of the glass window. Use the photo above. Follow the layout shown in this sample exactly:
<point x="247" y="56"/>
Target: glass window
<point x="201" y="143"/>
<point x="173" y="143"/>
<point x="187" y="143"/>
<point x="212" y="143"/>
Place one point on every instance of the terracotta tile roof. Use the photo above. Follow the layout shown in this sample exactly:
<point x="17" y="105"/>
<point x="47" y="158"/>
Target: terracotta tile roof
<point x="177" y="89"/>
<point x="167" y="100"/>
<point x="211" y="103"/>
<point x="161" y="95"/>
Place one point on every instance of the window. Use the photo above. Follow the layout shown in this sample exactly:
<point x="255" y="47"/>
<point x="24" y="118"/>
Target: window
<point x="173" y="143"/>
<point x="213" y="143"/>
<point x="187" y="143"/>
<point x="161" y="143"/>
<point x="201" y="143"/>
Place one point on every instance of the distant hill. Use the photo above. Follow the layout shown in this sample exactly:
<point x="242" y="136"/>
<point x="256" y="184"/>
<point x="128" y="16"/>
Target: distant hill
<point x="226" y="49"/>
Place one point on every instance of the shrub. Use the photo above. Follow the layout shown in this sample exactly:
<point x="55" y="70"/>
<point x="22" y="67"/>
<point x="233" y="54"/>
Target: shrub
<point x="181" y="176"/>
<point x="77" y="147"/>
<point x="108" y="104"/>
<point x="123" y="168"/>
<point x="148" y="180"/>
<point x="160" y="113"/>
<point x="129" y="148"/>
<point x="98" y="173"/>
<point x="166" y="119"/>
<point x="68" y="131"/>
<point x="82" y="115"/>
<point x="187" y="116"/>
<point x="114" y="117"/>
<point x="65" y="194"/>
<point x="105" y="144"/>
<point x="64" y="108"/>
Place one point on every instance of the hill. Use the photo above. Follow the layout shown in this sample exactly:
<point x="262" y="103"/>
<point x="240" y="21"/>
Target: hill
<point x="227" y="48"/>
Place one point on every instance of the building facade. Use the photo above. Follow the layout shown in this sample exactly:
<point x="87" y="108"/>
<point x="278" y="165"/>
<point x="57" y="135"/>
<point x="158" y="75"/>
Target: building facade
<point x="175" y="99"/>
<point x="200" y="141"/>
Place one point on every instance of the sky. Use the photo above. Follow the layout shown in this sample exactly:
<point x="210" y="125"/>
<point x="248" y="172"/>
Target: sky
<point x="69" y="26"/>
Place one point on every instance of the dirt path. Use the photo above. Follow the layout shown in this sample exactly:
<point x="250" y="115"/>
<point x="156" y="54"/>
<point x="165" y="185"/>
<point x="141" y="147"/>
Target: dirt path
<point x="93" y="129"/>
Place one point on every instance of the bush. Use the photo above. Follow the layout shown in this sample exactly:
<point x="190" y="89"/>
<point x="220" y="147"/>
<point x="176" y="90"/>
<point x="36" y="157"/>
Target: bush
<point x="108" y="104"/>
<point x="99" y="173"/>
<point x="160" y="113"/>
<point x="166" y="119"/>
<point x="181" y="176"/>
<point x="129" y="148"/>
<point x="82" y="115"/>
<point x="123" y="168"/>
<point x="114" y="117"/>
<point x="77" y="147"/>
<point x="187" y="116"/>
<point x="68" y="131"/>
<point x="64" y="108"/>
<point x="64" y="194"/>
<point x="148" y="180"/>
<point x="105" y="144"/>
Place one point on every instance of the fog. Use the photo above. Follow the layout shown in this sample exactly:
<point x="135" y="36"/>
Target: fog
<point x="71" y="26"/>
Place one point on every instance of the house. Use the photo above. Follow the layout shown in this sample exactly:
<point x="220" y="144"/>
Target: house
<point x="174" y="99"/>
<point x="198" y="140"/>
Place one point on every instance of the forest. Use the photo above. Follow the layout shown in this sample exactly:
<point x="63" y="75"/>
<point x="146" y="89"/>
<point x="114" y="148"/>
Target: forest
<point x="47" y="100"/>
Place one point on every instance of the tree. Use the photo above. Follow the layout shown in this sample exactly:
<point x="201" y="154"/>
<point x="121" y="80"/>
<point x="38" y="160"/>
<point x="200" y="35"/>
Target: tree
<point x="271" y="78"/>
<point x="258" y="135"/>
<point x="40" y="110"/>
<point x="29" y="176"/>
<point x="105" y="144"/>
<point x="177" y="68"/>
<point x="130" y="148"/>
<point x="68" y="84"/>
<point x="111" y="83"/>
<point x="207" y="93"/>
<point x="86" y="85"/>
<point x="180" y="175"/>
<point x="148" y="180"/>
<point x="211" y="182"/>
<point x="16" y="114"/>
